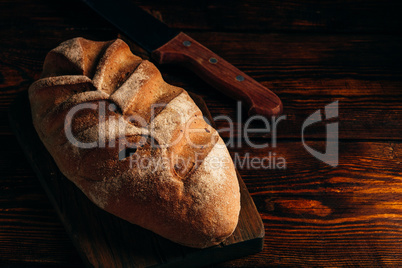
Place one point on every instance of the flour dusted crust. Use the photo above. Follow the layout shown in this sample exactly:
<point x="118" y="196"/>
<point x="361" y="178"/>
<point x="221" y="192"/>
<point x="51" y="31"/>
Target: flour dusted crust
<point x="195" y="203"/>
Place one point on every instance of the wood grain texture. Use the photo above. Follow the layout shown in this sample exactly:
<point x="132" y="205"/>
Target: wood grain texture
<point x="309" y="53"/>
<point x="276" y="15"/>
<point x="223" y="15"/>
<point x="305" y="71"/>
<point x="348" y="216"/>
<point x="221" y="75"/>
<point x="314" y="215"/>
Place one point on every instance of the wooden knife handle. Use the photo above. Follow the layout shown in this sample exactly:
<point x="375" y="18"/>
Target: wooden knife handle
<point x="219" y="73"/>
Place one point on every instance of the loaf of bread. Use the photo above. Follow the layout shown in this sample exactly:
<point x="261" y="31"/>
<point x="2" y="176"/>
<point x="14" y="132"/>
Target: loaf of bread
<point x="136" y="146"/>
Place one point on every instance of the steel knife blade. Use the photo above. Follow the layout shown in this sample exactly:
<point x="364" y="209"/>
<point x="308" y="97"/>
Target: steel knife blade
<point x="167" y="45"/>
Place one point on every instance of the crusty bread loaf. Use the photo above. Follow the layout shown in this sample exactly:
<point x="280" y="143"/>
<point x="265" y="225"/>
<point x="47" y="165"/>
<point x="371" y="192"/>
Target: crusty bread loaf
<point x="103" y="96"/>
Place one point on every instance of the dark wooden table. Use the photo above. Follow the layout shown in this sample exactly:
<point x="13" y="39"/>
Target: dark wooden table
<point x="310" y="53"/>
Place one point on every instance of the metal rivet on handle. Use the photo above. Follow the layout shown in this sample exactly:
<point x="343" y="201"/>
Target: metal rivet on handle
<point x="240" y="78"/>
<point x="213" y="60"/>
<point x="187" y="43"/>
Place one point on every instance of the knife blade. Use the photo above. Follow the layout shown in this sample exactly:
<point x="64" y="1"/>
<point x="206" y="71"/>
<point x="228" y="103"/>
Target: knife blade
<point x="167" y="45"/>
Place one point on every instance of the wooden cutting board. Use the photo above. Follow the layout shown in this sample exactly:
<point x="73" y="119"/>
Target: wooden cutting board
<point x="102" y="239"/>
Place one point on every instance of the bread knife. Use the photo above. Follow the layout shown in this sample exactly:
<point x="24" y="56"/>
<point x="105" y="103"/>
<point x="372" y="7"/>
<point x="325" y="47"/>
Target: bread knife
<point x="167" y="45"/>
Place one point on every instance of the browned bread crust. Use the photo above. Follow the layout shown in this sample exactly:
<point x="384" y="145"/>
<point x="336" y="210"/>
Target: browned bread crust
<point x="195" y="204"/>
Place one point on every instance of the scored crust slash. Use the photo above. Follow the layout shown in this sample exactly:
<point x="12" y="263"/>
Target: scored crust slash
<point x="138" y="147"/>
